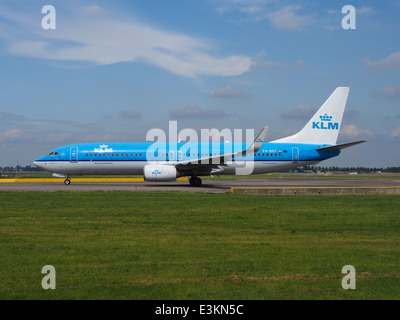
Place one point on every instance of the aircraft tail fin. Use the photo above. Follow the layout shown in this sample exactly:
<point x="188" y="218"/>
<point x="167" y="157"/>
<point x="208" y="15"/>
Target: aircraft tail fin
<point x="324" y="126"/>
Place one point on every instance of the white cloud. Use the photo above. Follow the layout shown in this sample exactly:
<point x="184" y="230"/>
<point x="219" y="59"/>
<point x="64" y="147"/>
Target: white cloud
<point x="11" y="135"/>
<point x="258" y="63"/>
<point x="330" y="11"/>
<point x="249" y="7"/>
<point x="364" y="10"/>
<point x="258" y="10"/>
<point x="6" y="117"/>
<point x="189" y="110"/>
<point x="228" y="92"/>
<point x="102" y="39"/>
<point x="94" y="11"/>
<point x="300" y="64"/>
<point x="131" y="114"/>
<point x="286" y="18"/>
<point x="390" y="62"/>
<point x="387" y="92"/>
<point x="302" y="111"/>
<point x="391" y="92"/>
<point x="351" y="131"/>
<point x="395" y="133"/>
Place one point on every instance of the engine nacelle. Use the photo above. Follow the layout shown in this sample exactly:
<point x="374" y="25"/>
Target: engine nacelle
<point x="159" y="172"/>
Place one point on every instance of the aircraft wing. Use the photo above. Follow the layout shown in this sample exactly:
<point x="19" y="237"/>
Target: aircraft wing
<point x="213" y="162"/>
<point x="340" y="146"/>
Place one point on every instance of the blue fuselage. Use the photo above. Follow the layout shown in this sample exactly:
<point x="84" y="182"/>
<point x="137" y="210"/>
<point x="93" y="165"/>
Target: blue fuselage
<point x="130" y="158"/>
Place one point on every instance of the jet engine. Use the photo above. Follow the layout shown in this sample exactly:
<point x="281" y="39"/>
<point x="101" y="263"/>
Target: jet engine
<point x="159" y="172"/>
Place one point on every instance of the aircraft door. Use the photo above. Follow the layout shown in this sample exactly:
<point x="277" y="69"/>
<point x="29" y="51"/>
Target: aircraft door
<point x="74" y="155"/>
<point x="295" y="154"/>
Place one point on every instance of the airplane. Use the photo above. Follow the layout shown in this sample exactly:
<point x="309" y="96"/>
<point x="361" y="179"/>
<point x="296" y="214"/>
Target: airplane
<point x="312" y="144"/>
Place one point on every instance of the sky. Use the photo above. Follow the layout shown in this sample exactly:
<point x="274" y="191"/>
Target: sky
<point x="113" y="70"/>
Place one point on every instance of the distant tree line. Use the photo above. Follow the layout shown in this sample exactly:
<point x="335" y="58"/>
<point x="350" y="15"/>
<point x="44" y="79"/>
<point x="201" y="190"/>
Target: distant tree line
<point x="347" y="169"/>
<point x="20" y="169"/>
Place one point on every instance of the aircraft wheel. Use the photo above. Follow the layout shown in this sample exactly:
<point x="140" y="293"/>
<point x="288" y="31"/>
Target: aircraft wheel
<point x="67" y="182"/>
<point x="195" y="181"/>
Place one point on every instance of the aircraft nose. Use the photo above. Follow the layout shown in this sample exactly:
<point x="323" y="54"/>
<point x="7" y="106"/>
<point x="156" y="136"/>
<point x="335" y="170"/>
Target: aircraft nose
<point x="38" y="164"/>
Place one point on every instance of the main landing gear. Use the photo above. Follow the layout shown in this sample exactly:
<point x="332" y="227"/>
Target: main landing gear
<point x="195" y="181"/>
<point x="67" y="181"/>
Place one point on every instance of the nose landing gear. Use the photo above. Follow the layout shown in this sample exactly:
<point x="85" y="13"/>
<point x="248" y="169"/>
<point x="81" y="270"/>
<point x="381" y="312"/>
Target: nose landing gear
<point x="67" y="181"/>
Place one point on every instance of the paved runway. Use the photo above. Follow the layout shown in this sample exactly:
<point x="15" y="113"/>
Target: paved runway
<point x="210" y="186"/>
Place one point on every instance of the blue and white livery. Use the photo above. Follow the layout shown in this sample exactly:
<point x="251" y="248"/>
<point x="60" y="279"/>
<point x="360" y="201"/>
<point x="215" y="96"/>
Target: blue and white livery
<point x="314" y="143"/>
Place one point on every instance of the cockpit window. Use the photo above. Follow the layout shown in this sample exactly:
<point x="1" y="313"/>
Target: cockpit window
<point x="53" y="154"/>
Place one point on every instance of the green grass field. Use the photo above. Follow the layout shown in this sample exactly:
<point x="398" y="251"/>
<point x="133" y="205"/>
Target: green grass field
<point x="158" y="245"/>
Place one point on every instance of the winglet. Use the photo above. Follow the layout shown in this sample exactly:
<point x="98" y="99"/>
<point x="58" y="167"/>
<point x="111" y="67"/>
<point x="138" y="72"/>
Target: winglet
<point x="258" y="141"/>
<point x="221" y="159"/>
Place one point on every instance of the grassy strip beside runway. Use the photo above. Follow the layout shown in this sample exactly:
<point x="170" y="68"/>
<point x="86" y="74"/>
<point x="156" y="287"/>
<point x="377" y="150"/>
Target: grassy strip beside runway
<point x="166" y="245"/>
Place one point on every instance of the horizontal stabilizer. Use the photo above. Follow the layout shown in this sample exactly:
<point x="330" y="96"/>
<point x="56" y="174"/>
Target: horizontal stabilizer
<point x="340" y="146"/>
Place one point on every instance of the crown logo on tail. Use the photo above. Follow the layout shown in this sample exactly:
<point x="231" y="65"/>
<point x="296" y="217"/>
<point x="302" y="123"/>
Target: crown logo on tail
<point x="325" y="117"/>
